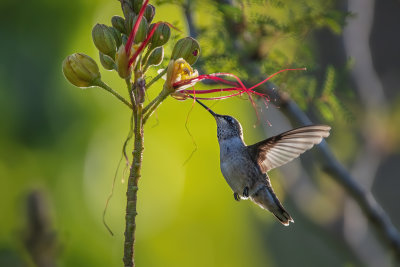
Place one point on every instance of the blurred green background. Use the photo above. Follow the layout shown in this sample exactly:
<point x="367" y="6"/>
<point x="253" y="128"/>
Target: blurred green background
<point x="60" y="145"/>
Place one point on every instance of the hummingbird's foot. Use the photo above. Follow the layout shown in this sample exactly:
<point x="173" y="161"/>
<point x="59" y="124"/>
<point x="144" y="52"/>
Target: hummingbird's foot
<point x="236" y="196"/>
<point x="246" y="191"/>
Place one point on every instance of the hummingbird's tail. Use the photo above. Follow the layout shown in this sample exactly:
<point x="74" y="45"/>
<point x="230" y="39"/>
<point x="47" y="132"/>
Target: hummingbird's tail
<point x="266" y="199"/>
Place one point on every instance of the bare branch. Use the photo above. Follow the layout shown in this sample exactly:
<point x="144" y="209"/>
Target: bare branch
<point x="372" y="210"/>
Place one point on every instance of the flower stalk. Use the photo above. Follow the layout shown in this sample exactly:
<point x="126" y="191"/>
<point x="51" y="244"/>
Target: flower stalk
<point x="131" y="193"/>
<point x="103" y="85"/>
<point x="131" y="50"/>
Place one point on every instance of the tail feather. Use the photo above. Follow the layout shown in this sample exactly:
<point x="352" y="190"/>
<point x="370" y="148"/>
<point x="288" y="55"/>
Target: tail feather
<point x="266" y="199"/>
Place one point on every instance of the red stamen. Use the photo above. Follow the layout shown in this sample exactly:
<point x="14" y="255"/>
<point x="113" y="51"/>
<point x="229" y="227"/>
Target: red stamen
<point x="258" y="84"/>
<point x="239" y="87"/>
<point x="219" y="97"/>
<point x="209" y="91"/>
<point x="129" y="43"/>
<point x="143" y="44"/>
<point x="213" y="77"/>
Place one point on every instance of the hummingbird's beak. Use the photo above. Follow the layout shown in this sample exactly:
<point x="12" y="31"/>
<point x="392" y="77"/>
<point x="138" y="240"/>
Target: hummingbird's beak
<point x="207" y="108"/>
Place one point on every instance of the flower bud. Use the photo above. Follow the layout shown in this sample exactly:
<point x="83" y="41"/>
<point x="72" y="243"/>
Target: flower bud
<point x="149" y="13"/>
<point x="107" y="62"/>
<point x="118" y="23"/>
<point x="129" y="22"/>
<point x="141" y="34"/>
<point x="137" y="5"/>
<point x="142" y="30"/>
<point x="155" y="58"/>
<point x="104" y="40"/>
<point x="122" y="61"/>
<point x="124" y="39"/>
<point x="127" y="8"/>
<point x="188" y="49"/>
<point x="160" y="36"/>
<point x="117" y="36"/>
<point x="81" y="70"/>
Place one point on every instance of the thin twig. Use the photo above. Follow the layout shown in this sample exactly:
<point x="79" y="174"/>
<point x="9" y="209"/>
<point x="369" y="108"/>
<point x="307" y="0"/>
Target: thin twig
<point x="103" y="85"/>
<point x="156" y="78"/>
<point x="153" y="105"/>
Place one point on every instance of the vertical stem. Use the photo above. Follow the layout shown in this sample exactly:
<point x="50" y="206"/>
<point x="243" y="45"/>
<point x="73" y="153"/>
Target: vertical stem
<point x="131" y="193"/>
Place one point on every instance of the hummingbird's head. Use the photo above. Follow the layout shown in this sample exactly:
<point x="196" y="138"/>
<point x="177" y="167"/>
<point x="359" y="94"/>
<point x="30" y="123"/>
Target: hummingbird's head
<point x="227" y="126"/>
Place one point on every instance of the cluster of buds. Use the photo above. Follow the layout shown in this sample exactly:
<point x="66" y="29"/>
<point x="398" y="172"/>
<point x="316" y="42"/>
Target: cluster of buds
<point x="122" y="44"/>
<point x="133" y="44"/>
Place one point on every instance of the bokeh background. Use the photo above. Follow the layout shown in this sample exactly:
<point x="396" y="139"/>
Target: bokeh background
<point x="60" y="145"/>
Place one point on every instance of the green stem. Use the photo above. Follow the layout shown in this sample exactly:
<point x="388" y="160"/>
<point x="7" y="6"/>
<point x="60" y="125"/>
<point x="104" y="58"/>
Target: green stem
<point x="103" y="85"/>
<point x="131" y="194"/>
<point x="156" y="78"/>
<point x="130" y="91"/>
<point x="153" y="105"/>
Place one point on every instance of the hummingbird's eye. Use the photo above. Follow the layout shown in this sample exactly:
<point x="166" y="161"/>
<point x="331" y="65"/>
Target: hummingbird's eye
<point x="229" y="119"/>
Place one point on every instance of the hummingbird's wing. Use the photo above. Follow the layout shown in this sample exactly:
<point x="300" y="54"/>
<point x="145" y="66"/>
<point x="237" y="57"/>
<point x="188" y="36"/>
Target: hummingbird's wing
<point x="280" y="149"/>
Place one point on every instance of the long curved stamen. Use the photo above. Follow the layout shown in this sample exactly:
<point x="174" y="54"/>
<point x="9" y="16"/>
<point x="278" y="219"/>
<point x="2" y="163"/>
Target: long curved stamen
<point x="132" y="35"/>
<point x="272" y="75"/>
<point x="213" y="76"/>
<point x="143" y="44"/>
<point x="239" y="86"/>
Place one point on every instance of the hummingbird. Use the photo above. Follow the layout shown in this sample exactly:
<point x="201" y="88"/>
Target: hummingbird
<point x="245" y="167"/>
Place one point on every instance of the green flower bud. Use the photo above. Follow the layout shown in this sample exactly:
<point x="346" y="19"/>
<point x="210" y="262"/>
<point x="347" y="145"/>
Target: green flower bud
<point x="160" y="36"/>
<point x="117" y="36"/>
<point x="127" y="8"/>
<point x="104" y="40"/>
<point x="136" y="5"/>
<point x="118" y="23"/>
<point x="149" y="13"/>
<point x="121" y="61"/>
<point x="124" y="39"/>
<point x="188" y="49"/>
<point x="107" y="62"/>
<point x="155" y="58"/>
<point x="142" y="30"/>
<point x="129" y="22"/>
<point x="81" y="70"/>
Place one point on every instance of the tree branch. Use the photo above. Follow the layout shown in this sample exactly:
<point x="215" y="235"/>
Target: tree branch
<point x="373" y="211"/>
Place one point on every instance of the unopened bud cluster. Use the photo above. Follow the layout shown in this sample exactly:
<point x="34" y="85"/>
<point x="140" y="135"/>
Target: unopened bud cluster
<point x="114" y="53"/>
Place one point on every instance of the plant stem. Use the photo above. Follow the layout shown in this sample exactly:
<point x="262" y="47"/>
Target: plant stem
<point x="156" y="78"/>
<point x="130" y="92"/>
<point x="103" y="85"/>
<point x="131" y="193"/>
<point x="153" y="105"/>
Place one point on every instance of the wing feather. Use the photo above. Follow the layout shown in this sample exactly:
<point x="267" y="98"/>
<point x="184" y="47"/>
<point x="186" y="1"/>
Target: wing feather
<point x="283" y="148"/>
